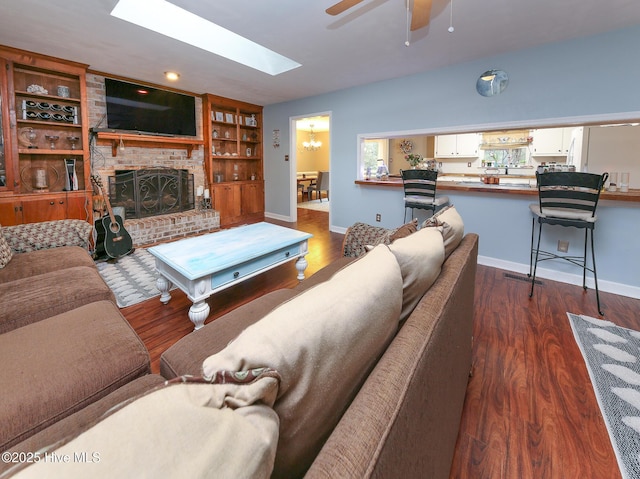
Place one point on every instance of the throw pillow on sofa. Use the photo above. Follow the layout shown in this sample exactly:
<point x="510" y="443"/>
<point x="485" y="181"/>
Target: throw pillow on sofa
<point x="323" y="343"/>
<point x="420" y="257"/>
<point x="361" y="237"/>
<point x="452" y="227"/>
<point x="192" y="429"/>
<point x="5" y="250"/>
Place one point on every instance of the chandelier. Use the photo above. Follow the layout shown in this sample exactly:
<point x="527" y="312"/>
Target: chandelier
<point x="312" y="144"/>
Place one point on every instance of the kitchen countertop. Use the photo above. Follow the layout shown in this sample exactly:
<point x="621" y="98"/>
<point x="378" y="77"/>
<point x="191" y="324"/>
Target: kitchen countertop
<point x="633" y="195"/>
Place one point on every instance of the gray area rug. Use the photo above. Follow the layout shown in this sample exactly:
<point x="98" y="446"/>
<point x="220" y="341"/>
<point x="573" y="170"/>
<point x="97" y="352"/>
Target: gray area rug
<point x="315" y="205"/>
<point x="612" y="355"/>
<point x="132" y="278"/>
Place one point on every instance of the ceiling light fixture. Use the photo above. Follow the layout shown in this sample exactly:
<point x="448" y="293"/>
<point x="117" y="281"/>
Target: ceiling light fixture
<point x="167" y="19"/>
<point x="312" y="144"/>
<point x="171" y="76"/>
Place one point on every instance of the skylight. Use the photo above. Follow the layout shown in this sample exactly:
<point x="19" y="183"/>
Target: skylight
<point x="167" y="19"/>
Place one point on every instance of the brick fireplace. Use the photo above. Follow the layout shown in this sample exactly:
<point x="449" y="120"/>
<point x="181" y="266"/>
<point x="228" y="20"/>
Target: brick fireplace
<point x="151" y="192"/>
<point x="172" y="222"/>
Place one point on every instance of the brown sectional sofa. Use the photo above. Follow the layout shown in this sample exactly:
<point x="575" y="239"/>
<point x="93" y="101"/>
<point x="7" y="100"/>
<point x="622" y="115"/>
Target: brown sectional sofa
<point x="63" y="342"/>
<point x="400" y="419"/>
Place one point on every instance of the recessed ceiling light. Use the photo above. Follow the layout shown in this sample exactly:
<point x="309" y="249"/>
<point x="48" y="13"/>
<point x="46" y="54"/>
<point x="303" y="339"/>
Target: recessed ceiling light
<point x="171" y="76"/>
<point x="175" y="22"/>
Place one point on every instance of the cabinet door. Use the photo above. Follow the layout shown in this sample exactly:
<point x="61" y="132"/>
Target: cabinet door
<point x="77" y="207"/>
<point x="252" y="198"/>
<point x="45" y="209"/>
<point x="226" y="200"/>
<point x="467" y="145"/>
<point x="547" y="142"/>
<point x="445" y="146"/>
<point x="10" y="213"/>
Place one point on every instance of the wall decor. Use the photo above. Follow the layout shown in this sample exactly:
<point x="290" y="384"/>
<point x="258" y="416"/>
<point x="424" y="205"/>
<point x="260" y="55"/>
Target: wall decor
<point x="492" y="82"/>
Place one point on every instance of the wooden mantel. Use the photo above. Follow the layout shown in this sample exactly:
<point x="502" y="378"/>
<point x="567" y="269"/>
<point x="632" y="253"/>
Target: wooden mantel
<point x="149" y="141"/>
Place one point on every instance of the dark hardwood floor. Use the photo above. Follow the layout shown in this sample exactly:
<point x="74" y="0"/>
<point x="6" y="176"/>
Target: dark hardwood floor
<point x="530" y="410"/>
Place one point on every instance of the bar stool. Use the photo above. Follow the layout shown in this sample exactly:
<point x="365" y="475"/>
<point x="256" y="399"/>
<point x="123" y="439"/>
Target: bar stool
<point x="566" y="199"/>
<point x="420" y="191"/>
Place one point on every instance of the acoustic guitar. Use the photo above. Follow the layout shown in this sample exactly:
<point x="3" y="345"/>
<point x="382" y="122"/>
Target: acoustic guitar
<point x="113" y="239"/>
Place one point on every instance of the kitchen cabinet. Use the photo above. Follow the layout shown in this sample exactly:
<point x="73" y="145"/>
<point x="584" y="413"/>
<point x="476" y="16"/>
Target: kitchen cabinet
<point x="44" y="148"/>
<point x="463" y="145"/>
<point x="551" y="141"/>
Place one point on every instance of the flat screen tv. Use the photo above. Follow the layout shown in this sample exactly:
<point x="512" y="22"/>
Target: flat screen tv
<point x="142" y="109"/>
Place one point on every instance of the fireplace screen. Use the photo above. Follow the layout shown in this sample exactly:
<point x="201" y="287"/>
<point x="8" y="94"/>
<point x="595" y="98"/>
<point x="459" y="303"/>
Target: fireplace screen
<point x="151" y="192"/>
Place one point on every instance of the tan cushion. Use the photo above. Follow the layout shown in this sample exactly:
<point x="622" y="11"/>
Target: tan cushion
<point x="420" y="257"/>
<point x="180" y="430"/>
<point x="563" y="213"/>
<point x="323" y="344"/>
<point x="186" y="356"/>
<point x="5" y="251"/>
<point x="452" y="227"/>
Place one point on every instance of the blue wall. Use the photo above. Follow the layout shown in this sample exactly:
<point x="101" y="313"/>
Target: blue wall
<point x="585" y="78"/>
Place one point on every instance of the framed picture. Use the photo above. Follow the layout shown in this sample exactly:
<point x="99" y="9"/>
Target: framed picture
<point x="248" y="151"/>
<point x="239" y="119"/>
<point x="229" y="117"/>
<point x="219" y="116"/>
<point x="248" y="121"/>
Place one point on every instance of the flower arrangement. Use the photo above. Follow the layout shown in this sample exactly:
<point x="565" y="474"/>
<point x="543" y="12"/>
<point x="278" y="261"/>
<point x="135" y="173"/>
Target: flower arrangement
<point x="413" y="159"/>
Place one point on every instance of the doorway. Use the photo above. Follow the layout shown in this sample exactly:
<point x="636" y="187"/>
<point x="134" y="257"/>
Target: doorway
<point x="311" y="156"/>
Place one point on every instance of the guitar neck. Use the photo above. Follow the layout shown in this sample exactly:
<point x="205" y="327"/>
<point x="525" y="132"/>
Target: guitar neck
<point x="98" y="183"/>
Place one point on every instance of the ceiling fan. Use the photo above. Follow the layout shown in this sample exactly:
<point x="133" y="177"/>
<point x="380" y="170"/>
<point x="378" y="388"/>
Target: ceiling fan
<point x="420" y="14"/>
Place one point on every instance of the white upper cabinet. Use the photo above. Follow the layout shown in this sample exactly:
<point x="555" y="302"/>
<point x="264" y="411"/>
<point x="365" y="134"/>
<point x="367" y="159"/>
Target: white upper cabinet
<point x="551" y="141"/>
<point x="464" y="145"/>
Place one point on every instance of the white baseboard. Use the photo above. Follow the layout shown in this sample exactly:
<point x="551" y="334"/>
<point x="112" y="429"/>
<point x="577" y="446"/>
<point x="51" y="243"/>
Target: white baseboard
<point x="576" y="279"/>
<point x="274" y="216"/>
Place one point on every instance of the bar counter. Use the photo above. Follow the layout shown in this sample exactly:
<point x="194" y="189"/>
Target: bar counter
<point x="633" y="195"/>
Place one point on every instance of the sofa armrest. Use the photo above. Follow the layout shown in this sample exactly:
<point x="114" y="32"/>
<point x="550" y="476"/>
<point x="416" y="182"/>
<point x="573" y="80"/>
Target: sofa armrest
<point x="47" y="234"/>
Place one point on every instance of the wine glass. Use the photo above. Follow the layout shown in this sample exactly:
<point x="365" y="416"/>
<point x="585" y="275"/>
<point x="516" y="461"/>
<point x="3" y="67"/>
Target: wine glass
<point x="52" y="139"/>
<point x="73" y="140"/>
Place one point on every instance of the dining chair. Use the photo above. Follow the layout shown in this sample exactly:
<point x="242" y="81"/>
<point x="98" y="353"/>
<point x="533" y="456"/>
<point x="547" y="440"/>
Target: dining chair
<point x="566" y="199"/>
<point x="321" y="184"/>
<point x="420" y="191"/>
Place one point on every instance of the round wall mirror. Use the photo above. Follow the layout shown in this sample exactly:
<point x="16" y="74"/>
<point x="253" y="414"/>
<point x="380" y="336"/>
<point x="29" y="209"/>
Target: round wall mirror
<point x="492" y="82"/>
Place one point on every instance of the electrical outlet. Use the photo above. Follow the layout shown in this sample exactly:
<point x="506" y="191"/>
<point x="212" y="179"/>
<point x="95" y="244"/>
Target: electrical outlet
<point x="563" y="246"/>
<point x="378" y="217"/>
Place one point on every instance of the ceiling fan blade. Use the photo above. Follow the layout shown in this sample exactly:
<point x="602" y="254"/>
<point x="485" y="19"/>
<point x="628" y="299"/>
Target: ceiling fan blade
<point x="340" y="7"/>
<point x="421" y="14"/>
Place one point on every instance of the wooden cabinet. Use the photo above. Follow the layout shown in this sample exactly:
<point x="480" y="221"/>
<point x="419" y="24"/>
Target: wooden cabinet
<point x="238" y="201"/>
<point x="464" y="145"/>
<point x="252" y="198"/>
<point x="226" y="201"/>
<point x="45" y="207"/>
<point x="232" y="132"/>
<point x="45" y="136"/>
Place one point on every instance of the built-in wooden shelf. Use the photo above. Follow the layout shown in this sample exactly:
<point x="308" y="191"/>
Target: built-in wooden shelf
<point x="149" y="141"/>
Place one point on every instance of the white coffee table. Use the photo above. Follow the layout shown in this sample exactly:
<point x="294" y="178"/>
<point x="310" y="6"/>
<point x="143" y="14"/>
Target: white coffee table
<point x="203" y="265"/>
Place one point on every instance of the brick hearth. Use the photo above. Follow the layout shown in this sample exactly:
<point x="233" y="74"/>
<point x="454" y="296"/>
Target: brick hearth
<point x="157" y="229"/>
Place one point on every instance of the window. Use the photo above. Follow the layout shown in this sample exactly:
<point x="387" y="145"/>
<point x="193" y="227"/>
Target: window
<point x="372" y="151"/>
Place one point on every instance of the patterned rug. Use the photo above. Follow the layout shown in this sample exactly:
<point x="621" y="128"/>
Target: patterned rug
<point x="132" y="278"/>
<point x="612" y="355"/>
